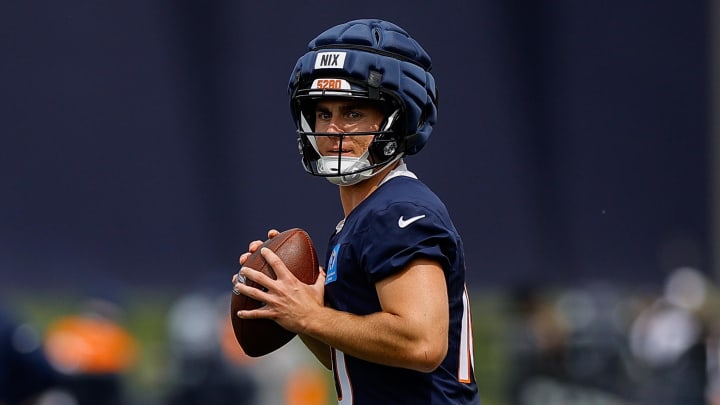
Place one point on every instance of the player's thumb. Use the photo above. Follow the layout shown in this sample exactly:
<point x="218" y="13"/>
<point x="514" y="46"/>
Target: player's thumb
<point x="320" y="282"/>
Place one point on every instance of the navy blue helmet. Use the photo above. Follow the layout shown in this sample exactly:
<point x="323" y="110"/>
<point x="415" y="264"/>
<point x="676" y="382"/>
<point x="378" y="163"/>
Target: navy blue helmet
<point x="371" y="60"/>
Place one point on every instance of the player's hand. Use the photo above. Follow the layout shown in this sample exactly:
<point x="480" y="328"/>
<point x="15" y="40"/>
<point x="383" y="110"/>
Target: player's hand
<point x="252" y="247"/>
<point x="288" y="301"/>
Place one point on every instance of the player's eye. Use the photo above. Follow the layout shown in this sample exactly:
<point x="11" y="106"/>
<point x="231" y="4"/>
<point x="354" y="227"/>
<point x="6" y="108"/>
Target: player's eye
<point x="323" y="115"/>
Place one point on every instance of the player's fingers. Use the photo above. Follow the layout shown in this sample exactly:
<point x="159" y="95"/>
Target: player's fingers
<point x="243" y="258"/>
<point x="321" y="273"/>
<point x="320" y="282"/>
<point x="251" y="292"/>
<point x="260" y="313"/>
<point x="256" y="276"/>
<point x="254" y="245"/>
<point x="237" y="282"/>
<point x="281" y="271"/>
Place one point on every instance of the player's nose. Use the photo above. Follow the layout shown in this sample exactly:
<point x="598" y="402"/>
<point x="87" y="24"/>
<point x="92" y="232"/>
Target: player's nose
<point x="334" y="126"/>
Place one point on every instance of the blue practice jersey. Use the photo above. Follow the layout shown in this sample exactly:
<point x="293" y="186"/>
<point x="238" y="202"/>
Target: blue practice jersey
<point x="401" y="221"/>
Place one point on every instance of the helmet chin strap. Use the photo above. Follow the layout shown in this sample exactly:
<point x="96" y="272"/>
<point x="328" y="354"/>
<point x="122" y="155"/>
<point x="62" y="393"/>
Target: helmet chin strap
<point x="329" y="165"/>
<point x="343" y="164"/>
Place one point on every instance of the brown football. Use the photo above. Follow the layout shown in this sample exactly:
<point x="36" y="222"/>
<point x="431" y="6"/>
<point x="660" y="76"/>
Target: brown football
<point x="259" y="337"/>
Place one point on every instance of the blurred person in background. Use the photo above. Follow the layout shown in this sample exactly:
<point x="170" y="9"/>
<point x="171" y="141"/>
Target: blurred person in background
<point x="25" y="372"/>
<point x="567" y="347"/>
<point x="205" y="367"/>
<point x="538" y="337"/>
<point x="713" y="389"/>
<point x="672" y="342"/>
<point x="208" y="366"/>
<point x="713" y="343"/>
<point x="92" y="351"/>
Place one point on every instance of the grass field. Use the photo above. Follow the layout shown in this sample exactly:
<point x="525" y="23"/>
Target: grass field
<point x="146" y="318"/>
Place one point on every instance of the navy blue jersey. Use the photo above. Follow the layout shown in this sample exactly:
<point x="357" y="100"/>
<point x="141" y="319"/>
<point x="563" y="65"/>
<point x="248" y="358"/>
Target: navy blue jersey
<point x="401" y="221"/>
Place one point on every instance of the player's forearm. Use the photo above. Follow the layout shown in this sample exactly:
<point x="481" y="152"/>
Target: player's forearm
<point x="382" y="338"/>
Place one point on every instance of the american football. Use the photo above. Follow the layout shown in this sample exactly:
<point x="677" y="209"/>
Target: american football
<point x="259" y="337"/>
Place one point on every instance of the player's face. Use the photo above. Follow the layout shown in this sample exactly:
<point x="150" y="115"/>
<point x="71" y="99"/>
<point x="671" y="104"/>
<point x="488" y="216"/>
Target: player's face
<point x="343" y="117"/>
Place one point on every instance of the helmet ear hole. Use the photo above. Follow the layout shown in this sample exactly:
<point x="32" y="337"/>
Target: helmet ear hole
<point x="383" y="148"/>
<point x="387" y="144"/>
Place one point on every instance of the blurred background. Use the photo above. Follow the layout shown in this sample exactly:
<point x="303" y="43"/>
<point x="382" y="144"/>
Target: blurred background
<point x="143" y="144"/>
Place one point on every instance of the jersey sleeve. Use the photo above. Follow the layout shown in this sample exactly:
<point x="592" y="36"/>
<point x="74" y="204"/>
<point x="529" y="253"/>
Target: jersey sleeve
<point x="401" y="233"/>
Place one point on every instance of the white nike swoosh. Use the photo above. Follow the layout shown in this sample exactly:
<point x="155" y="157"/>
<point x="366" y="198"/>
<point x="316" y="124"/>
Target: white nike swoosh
<point x="402" y="222"/>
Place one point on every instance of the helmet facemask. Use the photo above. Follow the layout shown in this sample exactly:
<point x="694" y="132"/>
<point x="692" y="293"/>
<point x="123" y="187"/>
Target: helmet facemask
<point x="384" y="150"/>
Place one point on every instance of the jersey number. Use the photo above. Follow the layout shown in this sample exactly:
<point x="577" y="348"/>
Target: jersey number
<point x="342" y="379"/>
<point x="466" y="356"/>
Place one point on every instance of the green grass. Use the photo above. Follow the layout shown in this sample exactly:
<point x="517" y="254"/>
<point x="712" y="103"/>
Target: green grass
<point x="145" y="317"/>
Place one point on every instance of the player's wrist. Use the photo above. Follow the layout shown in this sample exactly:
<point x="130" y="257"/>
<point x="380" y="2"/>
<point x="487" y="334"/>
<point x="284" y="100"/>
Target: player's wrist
<point x="314" y="325"/>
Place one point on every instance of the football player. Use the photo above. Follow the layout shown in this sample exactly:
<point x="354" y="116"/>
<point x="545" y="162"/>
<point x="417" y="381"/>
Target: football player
<point x="390" y="314"/>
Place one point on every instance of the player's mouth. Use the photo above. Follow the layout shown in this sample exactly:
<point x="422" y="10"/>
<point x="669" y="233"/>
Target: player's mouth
<point x="341" y="152"/>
